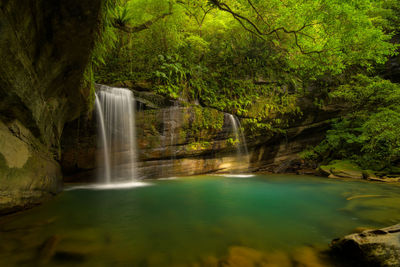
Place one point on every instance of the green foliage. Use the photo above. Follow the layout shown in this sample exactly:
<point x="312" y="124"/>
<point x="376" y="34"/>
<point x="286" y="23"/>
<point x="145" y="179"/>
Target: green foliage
<point x="208" y="56"/>
<point x="207" y="119"/>
<point x="232" y="142"/>
<point x="121" y="15"/>
<point x="197" y="146"/>
<point x="201" y="123"/>
<point x="369" y="134"/>
<point x="366" y="93"/>
<point x="88" y="82"/>
<point x="107" y="35"/>
<point x="170" y="77"/>
<point x="381" y="139"/>
<point x="256" y="59"/>
<point x="309" y="154"/>
<point x="104" y="42"/>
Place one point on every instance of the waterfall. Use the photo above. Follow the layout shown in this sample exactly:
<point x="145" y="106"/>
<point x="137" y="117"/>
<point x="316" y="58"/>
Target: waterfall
<point x="115" y="108"/>
<point x="171" y="118"/>
<point x="103" y="141"/>
<point x="174" y="113"/>
<point x="239" y="136"/>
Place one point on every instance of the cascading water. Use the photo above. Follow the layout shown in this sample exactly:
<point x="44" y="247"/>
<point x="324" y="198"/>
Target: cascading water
<point x="242" y="151"/>
<point x="171" y="118"/>
<point x="115" y="108"/>
<point x="102" y="141"/>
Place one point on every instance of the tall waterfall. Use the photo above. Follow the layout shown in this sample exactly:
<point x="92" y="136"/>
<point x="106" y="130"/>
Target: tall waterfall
<point x="115" y="108"/>
<point x="242" y="151"/>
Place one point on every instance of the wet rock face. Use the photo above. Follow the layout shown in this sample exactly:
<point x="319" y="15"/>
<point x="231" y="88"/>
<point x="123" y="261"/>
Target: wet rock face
<point x="28" y="175"/>
<point x="44" y="50"/>
<point x="180" y="141"/>
<point x="370" y="248"/>
<point x="173" y="141"/>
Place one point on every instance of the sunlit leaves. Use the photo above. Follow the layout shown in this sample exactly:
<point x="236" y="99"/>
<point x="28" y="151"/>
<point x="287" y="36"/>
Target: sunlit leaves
<point x="218" y="62"/>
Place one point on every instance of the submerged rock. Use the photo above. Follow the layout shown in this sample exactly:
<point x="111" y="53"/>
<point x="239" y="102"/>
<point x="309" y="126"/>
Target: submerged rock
<point x="48" y="248"/>
<point x="241" y="256"/>
<point x="308" y="257"/>
<point x="69" y="257"/>
<point x="249" y="257"/>
<point x="370" y="248"/>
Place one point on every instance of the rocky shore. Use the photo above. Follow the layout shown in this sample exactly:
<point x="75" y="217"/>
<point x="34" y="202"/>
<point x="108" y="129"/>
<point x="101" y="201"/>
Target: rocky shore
<point x="380" y="247"/>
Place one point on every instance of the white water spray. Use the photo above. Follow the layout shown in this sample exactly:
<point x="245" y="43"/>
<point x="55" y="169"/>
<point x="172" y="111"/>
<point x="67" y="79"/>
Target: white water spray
<point x="116" y="113"/>
<point x="239" y="136"/>
<point x="102" y="132"/>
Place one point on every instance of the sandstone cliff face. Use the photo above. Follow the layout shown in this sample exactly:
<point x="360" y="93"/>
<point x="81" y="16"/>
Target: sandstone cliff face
<point x="178" y="141"/>
<point x="172" y="141"/>
<point x="44" y="50"/>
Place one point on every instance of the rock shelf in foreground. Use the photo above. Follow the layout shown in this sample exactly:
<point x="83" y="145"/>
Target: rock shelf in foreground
<point x="370" y="248"/>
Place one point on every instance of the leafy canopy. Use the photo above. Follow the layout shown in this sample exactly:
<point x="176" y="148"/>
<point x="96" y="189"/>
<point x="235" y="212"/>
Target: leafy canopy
<point x="254" y="58"/>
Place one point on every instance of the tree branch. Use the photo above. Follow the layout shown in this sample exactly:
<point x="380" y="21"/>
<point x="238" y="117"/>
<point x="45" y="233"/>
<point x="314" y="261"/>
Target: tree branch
<point x="144" y="26"/>
<point x="254" y="29"/>
<point x="258" y="13"/>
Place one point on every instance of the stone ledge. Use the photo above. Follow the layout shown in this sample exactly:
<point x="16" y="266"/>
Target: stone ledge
<point x="370" y="248"/>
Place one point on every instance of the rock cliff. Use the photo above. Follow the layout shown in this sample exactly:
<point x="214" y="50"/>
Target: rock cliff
<point x="179" y="140"/>
<point x="44" y="49"/>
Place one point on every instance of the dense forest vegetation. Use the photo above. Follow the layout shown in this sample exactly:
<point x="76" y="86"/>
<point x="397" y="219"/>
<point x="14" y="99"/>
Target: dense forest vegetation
<point x="259" y="59"/>
<point x="200" y="133"/>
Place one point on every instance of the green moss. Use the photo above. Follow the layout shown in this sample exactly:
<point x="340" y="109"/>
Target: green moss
<point x="182" y="135"/>
<point x="309" y="154"/>
<point x="205" y="122"/>
<point x="343" y="168"/>
<point x="207" y="118"/>
<point x="88" y="82"/>
<point x="196" y="146"/>
<point x="230" y="142"/>
<point x="369" y="173"/>
<point x="344" y="165"/>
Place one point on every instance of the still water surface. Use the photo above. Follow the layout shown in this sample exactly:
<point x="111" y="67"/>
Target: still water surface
<point x="194" y="221"/>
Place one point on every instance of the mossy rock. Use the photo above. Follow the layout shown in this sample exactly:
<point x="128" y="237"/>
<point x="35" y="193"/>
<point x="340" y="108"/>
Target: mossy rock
<point x="368" y="174"/>
<point x="342" y="169"/>
<point x="324" y="170"/>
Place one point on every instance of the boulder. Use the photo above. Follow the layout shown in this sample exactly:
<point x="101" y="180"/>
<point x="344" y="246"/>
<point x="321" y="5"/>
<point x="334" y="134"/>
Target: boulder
<point x="341" y="169"/>
<point x="370" y="248"/>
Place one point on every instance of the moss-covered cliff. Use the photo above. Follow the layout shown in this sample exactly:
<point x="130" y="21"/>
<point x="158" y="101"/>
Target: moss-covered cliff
<point x="45" y="47"/>
<point x="185" y="139"/>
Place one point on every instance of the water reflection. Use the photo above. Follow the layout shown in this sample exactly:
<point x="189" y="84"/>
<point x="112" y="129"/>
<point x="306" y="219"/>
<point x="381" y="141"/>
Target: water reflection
<point x="197" y="221"/>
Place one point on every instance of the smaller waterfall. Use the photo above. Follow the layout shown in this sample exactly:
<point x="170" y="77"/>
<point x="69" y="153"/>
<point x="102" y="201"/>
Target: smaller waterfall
<point x="115" y="108"/>
<point x="174" y="118"/>
<point x="242" y="151"/>
<point x="171" y="119"/>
